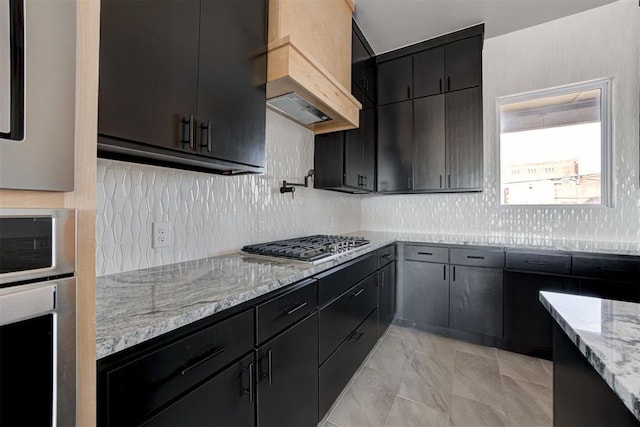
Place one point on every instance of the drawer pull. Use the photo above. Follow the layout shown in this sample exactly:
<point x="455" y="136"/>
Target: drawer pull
<point x="613" y="270"/>
<point x="269" y="355"/>
<point x="535" y="262"/>
<point x="474" y="257"/>
<point x="425" y="253"/>
<point x="387" y="256"/>
<point x="357" y="293"/>
<point x="216" y="352"/>
<point x="355" y="336"/>
<point x="296" y="308"/>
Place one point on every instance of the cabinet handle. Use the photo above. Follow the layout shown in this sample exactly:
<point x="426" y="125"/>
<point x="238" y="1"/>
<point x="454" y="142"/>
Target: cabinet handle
<point x="449" y="180"/>
<point x="187" y="133"/>
<point x="475" y="257"/>
<point x="440" y="181"/>
<point x="448" y="83"/>
<point x="248" y="390"/>
<point x="296" y="308"/>
<point x="216" y="352"/>
<point x="535" y="262"/>
<point x="270" y="373"/>
<point x="355" y="336"/>
<point x="444" y="272"/>
<point x="365" y="181"/>
<point x="207" y="144"/>
<point x="613" y="270"/>
<point x="357" y="293"/>
<point x="387" y="256"/>
<point x="382" y="280"/>
<point x="425" y="253"/>
<point x="440" y="85"/>
<point x="454" y="273"/>
<point x="408" y="92"/>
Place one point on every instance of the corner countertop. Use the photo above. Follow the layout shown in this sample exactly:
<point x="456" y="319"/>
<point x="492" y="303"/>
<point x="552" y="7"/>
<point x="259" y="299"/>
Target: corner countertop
<point x="607" y="333"/>
<point x="136" y="306"/>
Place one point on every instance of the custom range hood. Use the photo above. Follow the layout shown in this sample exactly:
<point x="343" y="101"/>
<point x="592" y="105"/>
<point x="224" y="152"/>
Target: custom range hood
<point x="309" y="63"/>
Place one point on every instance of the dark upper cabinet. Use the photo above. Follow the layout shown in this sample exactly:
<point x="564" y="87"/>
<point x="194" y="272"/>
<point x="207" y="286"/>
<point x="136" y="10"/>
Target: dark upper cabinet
<point x="463" y="63"/>
<point x="231" y="95"/>
<point x="345" y="161"/>
<point x="148" y="70"/>
<point x="183" y="83"/>
<point x="429" y="143"/>
<point x="428" y="72"/>
<point x="395" y="146"/>
<point x="363" y="67"/>
<point x="395" y="80"/>
<point x="463" y="114"/>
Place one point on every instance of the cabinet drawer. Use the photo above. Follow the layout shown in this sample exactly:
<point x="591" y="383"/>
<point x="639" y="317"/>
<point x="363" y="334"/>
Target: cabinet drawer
<point x="478" y="257"/>
<point x="336" y="372"/>
<point x="426" y="253"/>
<point x="277" y="314"/>
<point x="619" y="269"/>
<point x="386" y="255"/>
<point x="544" y="263"/>
<point x="141" y="387"/>
<point x="338" y="319"/>
<point x="334" y="283"/>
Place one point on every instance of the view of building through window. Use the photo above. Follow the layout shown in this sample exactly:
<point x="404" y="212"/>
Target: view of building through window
<point x="551" y="150"/>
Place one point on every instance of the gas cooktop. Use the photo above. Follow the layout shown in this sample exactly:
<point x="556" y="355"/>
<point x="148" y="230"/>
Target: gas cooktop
<point x="310" y="249"/>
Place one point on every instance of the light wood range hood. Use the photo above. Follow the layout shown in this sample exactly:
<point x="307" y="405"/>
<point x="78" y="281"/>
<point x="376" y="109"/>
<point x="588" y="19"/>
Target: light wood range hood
<point x="309" y="54"/>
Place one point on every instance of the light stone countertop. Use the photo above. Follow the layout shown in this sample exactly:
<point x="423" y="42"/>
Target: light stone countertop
<point x="133" y="307"/>
<point x="607" y="333"/>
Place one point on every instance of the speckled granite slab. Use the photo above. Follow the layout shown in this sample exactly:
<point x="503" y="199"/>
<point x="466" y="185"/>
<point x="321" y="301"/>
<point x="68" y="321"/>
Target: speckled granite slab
<point x="136" y="306"/>
<point x="607" y="333"/>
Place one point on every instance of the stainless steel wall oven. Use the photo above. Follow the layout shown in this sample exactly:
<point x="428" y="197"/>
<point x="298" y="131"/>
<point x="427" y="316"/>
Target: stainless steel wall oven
<point x="37" y="317"/>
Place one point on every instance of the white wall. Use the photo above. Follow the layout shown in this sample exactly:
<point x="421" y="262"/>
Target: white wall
<point x="597" y="43"/>
<point x="213" y="214"/>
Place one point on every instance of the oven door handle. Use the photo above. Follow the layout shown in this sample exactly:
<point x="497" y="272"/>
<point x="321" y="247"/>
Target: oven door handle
<point x="27" y="303"/>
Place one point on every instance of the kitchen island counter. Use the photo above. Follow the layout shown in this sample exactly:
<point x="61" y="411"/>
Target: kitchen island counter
<point x="607" y="335"/>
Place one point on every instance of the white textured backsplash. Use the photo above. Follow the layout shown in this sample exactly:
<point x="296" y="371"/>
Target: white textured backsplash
<point x="598" y="43"/>
<point x="213" y="214"/>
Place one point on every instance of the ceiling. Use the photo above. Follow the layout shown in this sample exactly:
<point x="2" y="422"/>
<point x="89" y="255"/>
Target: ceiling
<point x="390" y="24"/>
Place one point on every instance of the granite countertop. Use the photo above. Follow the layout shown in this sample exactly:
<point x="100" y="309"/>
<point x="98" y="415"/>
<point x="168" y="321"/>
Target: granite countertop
<point x="135" y="306"/>
<point x="607" y="333"/>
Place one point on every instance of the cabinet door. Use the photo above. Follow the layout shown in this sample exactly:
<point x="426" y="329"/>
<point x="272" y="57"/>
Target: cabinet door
<point x="148" y="70"/>
<point x="387" y="301"/>
<point x="362" y="68"/>
<point x="526" y="322"/>
<point x="395" y="146"/>
<point x="353" y="155"/>
<point x="426" y="293"/>
<point x="394" y="80"/>
<point x="288" y="377"/>
<point x="464" y="139"/>
<point x="429" y="143"/>
<point x="368" y="124"/>
<point x="463" y="63"/>
<point x="609" y="289"/>
<point x="328" y="160"/>
<point x="476" y="300"/>
<point x="428" y="72"/>
<point x="226" y="400"/>
<point x="232" y="81"/>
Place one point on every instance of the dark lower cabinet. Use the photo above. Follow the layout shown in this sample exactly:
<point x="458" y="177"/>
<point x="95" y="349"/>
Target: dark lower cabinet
<point x="429" y="171"/>
<point x="426" y="294"/>
<point x="335" y="372"/>
<point x="395" y="147"/>
<point x="527" y="324"/>
<point x="225" y="400"/>
<point x="288" y="377"/>
<point x="475" y="303"/>
<point x="387" y="296"/>
<point x="609" y="289"/>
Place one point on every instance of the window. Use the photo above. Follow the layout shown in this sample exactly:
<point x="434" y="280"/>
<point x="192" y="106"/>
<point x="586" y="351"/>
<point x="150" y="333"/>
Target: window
<point x="554" y="146"/>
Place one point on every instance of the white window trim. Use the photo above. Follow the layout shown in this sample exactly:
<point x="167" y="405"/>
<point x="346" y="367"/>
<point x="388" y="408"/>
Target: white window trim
<point x="606" y="146"/>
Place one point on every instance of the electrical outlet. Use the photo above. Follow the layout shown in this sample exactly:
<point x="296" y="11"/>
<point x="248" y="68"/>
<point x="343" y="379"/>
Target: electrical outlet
<point x="161" y="235"/>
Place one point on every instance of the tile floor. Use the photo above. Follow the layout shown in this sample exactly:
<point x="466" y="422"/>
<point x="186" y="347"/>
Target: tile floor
<point x="414" y="378"/>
